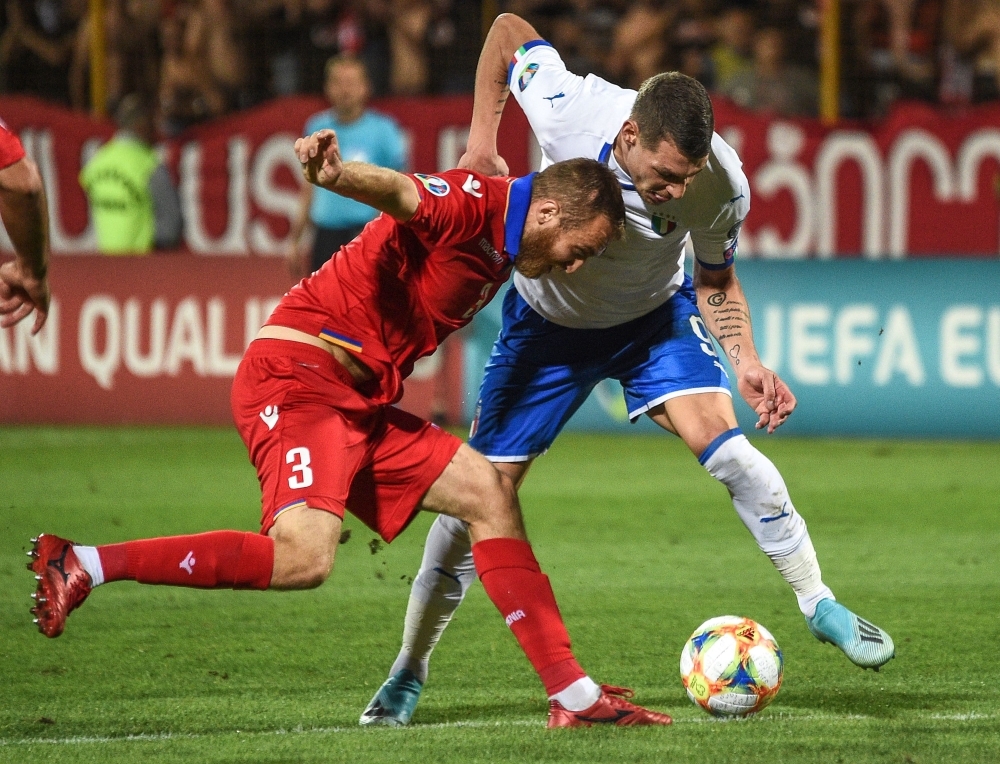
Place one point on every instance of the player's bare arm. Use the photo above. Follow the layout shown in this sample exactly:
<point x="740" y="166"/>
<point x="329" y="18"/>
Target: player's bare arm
<point x="387" y="190"/>
<point x="508" y="33"/>
<point x="23" y="284"/>
<point x="296" y="258"/>
<point x="724" y="308"/>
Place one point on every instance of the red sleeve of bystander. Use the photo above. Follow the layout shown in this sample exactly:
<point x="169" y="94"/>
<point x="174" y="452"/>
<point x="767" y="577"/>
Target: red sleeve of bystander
<point x="11" y="149"/>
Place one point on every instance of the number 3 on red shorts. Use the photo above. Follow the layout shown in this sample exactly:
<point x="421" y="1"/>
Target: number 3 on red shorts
<point x="299" y="459"/>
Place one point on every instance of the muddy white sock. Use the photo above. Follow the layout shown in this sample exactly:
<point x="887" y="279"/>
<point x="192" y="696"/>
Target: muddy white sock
<point x="762" y="502"/>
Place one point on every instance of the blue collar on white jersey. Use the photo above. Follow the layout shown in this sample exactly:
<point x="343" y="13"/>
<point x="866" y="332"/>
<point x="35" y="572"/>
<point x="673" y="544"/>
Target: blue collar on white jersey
<point x="603" y="158"/>
<point x="518" y="201"/>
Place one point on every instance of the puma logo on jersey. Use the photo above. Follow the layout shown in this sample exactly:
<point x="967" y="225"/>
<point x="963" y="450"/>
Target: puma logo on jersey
<point x="188" y="563"/>
<point x="472" y="186"/>
<point x="552" y="99"/>
<point x="270" y="416"/>
<point x="517" y="615"/>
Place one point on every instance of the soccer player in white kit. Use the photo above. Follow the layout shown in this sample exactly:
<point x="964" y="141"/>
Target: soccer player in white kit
<point x="631" y="314"/>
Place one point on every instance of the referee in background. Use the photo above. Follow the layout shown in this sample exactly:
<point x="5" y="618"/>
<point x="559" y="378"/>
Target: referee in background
<point x="364" y="136"/>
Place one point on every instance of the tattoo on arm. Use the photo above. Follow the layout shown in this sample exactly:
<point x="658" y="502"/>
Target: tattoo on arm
<point x="502" y="100"/>
<point x="732" y="319"/>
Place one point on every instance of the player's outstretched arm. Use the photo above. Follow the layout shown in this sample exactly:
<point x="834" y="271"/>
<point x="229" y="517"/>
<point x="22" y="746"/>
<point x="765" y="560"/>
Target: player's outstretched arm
<point x="508" y="33"/>
<point x="23" y="282"/>
<point x="727" y="316"/>
<point x="387" y="190"/>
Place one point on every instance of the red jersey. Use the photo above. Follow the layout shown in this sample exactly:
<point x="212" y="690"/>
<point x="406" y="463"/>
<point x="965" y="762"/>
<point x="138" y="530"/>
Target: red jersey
<point x="394" y="293"/>
<point x="11" y="149"/>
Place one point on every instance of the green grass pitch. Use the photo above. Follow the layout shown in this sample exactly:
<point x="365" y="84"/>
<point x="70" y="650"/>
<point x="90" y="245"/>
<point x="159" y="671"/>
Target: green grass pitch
<point x="641" y="546"/>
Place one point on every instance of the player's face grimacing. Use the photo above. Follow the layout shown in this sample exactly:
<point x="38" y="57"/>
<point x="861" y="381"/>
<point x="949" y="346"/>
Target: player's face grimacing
<point x="658" y="175"/>
<point x="545" y="247"/>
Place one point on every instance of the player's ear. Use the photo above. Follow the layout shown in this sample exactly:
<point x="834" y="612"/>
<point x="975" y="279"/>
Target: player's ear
<point x="547" y="211"/>
<point x="630" y="132"/>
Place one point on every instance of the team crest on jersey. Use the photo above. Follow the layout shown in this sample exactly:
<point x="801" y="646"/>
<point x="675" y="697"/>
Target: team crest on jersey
<point x="526" y="76"/>
<point x="434" y="184"/>
<point x="662" y="226"/>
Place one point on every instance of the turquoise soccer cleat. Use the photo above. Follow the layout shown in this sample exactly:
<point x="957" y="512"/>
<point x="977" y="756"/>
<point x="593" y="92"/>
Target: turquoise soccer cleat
<point x="864" y="643"/>
<point x="395" y="701"/>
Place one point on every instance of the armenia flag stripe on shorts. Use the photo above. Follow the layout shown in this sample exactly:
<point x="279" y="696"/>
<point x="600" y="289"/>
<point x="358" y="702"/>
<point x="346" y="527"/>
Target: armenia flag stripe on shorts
<point x="340" y="339"/>
<point x="290" y="505"/>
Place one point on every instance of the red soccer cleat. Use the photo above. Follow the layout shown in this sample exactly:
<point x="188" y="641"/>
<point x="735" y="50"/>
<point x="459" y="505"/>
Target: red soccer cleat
<point x="63" y="584"/>
<point x="611" y="708"/>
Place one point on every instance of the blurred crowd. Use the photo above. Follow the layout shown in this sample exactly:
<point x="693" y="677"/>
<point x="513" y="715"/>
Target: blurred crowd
<point x="764" y="54"/>
<point x="197" y="59"/>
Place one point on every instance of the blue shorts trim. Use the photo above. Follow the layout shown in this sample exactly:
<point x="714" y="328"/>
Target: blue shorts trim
<point x="540" y="373"/>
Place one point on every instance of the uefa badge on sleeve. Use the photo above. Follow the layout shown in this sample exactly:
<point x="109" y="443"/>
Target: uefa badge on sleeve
<point x="526" y="76"/>
<point x="434" y="184"/>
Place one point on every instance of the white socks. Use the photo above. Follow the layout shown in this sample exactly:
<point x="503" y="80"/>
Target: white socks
<point x="446" y="573"/>
<point x="801" y="570"/>
<point x="579" y="696"/>
<point x="90" y="561"/>
<point x="761" y="500"/>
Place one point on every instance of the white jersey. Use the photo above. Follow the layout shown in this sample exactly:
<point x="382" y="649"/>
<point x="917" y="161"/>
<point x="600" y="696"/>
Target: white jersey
<point x="574" y="116"/>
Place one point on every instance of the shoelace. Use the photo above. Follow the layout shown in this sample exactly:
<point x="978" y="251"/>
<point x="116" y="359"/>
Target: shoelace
<point x="621" y="692"/>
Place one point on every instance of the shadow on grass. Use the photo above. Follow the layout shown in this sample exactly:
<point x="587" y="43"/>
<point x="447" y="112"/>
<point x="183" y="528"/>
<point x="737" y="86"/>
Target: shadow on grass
<point x="872" y="701"/>
<point x="499" y="711"/>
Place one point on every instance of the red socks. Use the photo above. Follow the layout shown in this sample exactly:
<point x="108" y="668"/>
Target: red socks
<point x="220" y="559"/>
<point x="513" y="580"/>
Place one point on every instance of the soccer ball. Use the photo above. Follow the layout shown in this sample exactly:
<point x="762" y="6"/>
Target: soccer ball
<point x="731" y="666"/>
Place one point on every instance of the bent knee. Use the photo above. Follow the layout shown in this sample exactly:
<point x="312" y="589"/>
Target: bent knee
<point x="304" y="546"/>
<point x="300" y="567"/>
<point x="315" y="574"/>
<point x="492" y="493"/>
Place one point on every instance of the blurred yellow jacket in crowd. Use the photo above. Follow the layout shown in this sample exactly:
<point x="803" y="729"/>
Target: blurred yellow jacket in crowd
<point x="116" y="181"/>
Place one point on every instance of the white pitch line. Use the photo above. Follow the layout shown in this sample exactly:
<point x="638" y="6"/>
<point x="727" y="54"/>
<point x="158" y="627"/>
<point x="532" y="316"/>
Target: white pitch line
<point x="471" y="724"/>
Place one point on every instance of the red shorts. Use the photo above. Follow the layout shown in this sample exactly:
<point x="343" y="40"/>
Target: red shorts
<point x="317" y="442"/>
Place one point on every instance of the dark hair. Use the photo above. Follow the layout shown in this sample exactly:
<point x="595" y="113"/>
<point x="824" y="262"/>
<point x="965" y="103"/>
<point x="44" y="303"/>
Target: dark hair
<point x="585" y="189"/>
<point x="672" y="106"/>
<point x="131" y="110"/>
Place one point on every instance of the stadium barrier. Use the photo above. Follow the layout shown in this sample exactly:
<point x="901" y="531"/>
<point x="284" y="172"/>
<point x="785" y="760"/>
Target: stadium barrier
<point x="920" y="183"/>
<point x="890" y="348"/>
<point x="157" y="341"/>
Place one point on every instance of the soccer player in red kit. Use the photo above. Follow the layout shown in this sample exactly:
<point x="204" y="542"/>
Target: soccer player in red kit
<point x="23" y="281"/>
<point x="313" y="399"/>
